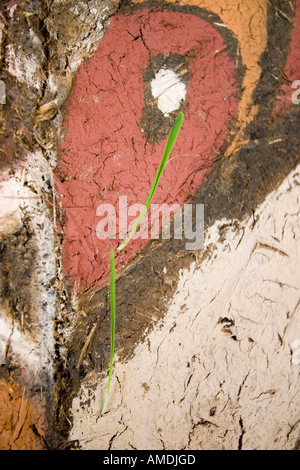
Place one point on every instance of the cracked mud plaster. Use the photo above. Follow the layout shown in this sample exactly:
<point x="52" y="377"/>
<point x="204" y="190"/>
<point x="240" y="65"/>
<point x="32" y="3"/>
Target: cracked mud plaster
<point x="27" y="303"/>
<point x="41" y="44"/>
<point x="106" y="154"/>
<point x="218" y="371"/>
<point x="21" y="426"/>
<point x="235" y="188"/>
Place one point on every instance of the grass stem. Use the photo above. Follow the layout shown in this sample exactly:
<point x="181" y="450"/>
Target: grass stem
<point x="168" y="148"/>
<point x="112" y="324"/>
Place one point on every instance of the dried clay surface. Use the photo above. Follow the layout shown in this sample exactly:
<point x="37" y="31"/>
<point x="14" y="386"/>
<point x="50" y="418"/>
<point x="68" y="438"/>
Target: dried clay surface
<point x="103" y="159"/>
<point x="41" y="46"/>
<point x="21" y="425"/>
<point x="221" y="371"/>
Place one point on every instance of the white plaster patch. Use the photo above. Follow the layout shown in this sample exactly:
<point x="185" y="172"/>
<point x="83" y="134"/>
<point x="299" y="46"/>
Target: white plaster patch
<point x="220" y="371"/>
<point x="9" y="196"/>
<point x="169" y="89"/>
<point x="26" y="69"/>
<point x="18" y="198"/>
<point x="24" y="349"/>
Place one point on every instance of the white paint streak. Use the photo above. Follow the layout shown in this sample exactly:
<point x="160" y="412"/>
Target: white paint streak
<point x="169" y="89"/>
<point x="34" y="350"/>
<point x="9" y="194"/>
<point x="25" y="69"/>
<point x="218" y="372"/>
<point x="24" y="348"/>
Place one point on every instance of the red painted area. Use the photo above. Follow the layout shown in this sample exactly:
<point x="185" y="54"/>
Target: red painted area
<point x="291" y="71"/>
<point x="105" y="154"/>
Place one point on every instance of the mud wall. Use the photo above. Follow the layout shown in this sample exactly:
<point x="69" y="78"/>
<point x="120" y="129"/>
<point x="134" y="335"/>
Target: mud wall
<point x="206" y="340"/>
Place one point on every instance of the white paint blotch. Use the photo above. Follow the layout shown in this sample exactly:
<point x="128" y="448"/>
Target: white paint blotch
<point x="169" y="89"/>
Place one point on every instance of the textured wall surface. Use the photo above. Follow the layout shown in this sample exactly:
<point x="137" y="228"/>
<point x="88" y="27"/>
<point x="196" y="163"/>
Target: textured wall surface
<point x="222" y="370"/>
<point x="207" y="341"/>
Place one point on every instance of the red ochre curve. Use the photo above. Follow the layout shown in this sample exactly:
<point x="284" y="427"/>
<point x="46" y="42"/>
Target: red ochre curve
<point x="105" y="155"/>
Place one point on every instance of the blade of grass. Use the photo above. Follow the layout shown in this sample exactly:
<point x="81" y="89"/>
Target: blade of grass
<point x="169" y="145"/>
<point x="168" y="148"/>
<point x="112" y="324"/>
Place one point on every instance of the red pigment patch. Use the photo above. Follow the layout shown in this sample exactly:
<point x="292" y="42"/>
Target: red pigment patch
<point x="105" y="154"/>
<point x="291" y="71"/>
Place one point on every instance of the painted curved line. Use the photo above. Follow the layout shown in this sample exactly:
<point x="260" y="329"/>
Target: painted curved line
<point x="105" y="153"/>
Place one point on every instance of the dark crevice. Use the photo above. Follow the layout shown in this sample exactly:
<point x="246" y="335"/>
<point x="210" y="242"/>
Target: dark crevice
<point x="240" y="444"/>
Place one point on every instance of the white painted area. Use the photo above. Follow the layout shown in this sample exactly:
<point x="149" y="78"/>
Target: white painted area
<point x="168" y="89"/>
<point x="295" y="346"/>
<point x="3" y="343"/>
<point x="24" y="349"/>
<point x="220" y="371"/>
<point x="32" y="351"/>
<point x="25" y="69"/>
<point x="11" y="193"/>
<point x="16" y="199"/>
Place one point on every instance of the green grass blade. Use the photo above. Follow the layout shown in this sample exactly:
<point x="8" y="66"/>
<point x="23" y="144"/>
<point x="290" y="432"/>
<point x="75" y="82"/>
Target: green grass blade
<point x="112" y="324"/>
<point x="168" y="148"/>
